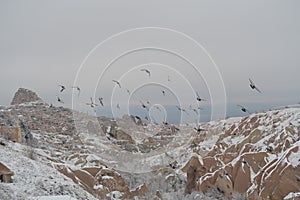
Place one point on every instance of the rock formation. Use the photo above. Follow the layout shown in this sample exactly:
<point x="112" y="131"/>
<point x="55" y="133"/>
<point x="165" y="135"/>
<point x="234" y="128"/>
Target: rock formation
<point x="24" y="96"/>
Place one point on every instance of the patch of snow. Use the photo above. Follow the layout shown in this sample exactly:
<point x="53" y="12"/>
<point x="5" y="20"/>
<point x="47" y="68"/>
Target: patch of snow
<point x="98" y="187"/>
<point x="61" y="197"/>
<point x="294" y="158"/>
<point x="292" y="195"/>
<point x="107" y="177"/>
<point x="114" y="195"/>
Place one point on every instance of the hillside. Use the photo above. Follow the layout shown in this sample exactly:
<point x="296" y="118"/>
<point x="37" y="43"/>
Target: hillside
<point x="57" y="151"/>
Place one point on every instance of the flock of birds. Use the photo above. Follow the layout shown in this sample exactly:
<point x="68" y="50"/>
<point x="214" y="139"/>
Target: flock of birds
<point x="146" y="105"/>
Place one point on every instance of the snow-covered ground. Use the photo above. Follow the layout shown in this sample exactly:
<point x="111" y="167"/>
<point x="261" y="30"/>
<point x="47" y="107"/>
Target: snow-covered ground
<point x="33" y="178"/>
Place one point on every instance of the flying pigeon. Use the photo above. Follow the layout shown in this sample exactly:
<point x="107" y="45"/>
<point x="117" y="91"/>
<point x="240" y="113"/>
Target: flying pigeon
<point x="163" y="92"/>
<point x="147" y="71"/>
<point x="92" y="104"/>
<point x="59" y="99"/>
<point x="101" y="100"/>
<point x="62" y="88"/>
<point x="182" y="109"/>
<point x="198" y="129"/>
<point x="195" y="110"/>
<point x="253" y="86"/>
<point x="148" y="102"/>
<point x="117" y="82"/>
<point x="158" y="108"/>
<point x="198" y="97"/>
<point x="144" y="106"/>
<point x="243" y="109"/>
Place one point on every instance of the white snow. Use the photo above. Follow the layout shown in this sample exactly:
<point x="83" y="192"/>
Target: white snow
<point x="292" y="195"/>
<point x="61" y="197"/>
<point x="294" y="158"/>
<point x="34" y="178"/>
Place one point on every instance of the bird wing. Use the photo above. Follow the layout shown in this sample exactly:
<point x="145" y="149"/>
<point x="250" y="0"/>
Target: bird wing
<point x="258" y="90"/>
<point x="117" y="82"/>
<point x="146" y="70"/>
<point x="251" y="82"/>
<point x="62" y="88"/>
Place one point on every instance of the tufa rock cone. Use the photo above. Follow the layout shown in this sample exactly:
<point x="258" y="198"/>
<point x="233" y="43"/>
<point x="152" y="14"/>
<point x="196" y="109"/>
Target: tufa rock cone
<point x="24" y="96"/>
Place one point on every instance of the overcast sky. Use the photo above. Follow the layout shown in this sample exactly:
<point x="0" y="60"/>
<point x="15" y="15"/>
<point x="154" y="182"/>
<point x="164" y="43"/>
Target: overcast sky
<point x="43" y="43"/>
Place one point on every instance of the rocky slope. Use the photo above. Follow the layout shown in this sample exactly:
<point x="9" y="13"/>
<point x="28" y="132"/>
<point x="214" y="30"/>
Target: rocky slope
<point x="254" y="157"/>
<point x="257" y="156"/>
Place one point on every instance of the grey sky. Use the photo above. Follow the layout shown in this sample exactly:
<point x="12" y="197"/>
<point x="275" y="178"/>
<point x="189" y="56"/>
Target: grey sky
<point x="44" y="42"/>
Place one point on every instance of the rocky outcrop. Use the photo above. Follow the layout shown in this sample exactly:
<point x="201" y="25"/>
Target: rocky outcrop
<point x="24" y="96"/>
<point x="256" y="157"/>
<point x="102" y="182"/>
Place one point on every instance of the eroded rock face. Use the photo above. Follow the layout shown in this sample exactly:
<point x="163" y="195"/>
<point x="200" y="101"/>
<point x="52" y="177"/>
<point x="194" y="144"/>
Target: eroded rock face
<point x="24" y="96"/>
<point x="257" y="157"/>
<point x="102" y="182"/>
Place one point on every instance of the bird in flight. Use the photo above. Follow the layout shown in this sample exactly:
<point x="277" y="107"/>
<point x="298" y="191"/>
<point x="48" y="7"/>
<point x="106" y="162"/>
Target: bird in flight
<point x="198" y="97"/>
<point x="92" y="104"/>
<point x="59" y="99"/>
<point x="144" y="106"/>
<point x="163" y="92"/>
<point x="117" y="82"/>
<point x="77" y="88"/>
<point x="101" y="100"/>
<point x="128" y="91"/>
<point x="182" y="109"/>
<point x="243" y="109"/>
<point x="148" y="102"/>
<point x="118" y="106"/>
<point x="198" y="129"/>
<point x="62" y="88"/>
<point x="147" y="71"/>
<point x="194" y="109"/>
<point x="253" y="86"/>
<point x="137" y="117"/>
<point x="157" y="107"/>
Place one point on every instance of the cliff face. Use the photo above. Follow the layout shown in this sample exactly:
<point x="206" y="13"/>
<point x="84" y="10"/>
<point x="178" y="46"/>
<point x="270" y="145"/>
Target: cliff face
<point x="24" y="96"/>
<point x="257" y="156"/>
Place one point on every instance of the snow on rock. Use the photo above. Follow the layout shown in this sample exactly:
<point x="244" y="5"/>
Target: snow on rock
<point x="58" y="197"/>
<point x="253" y="157"/>
<point x="33" y="178"/>
<point x="257" y="156"/>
